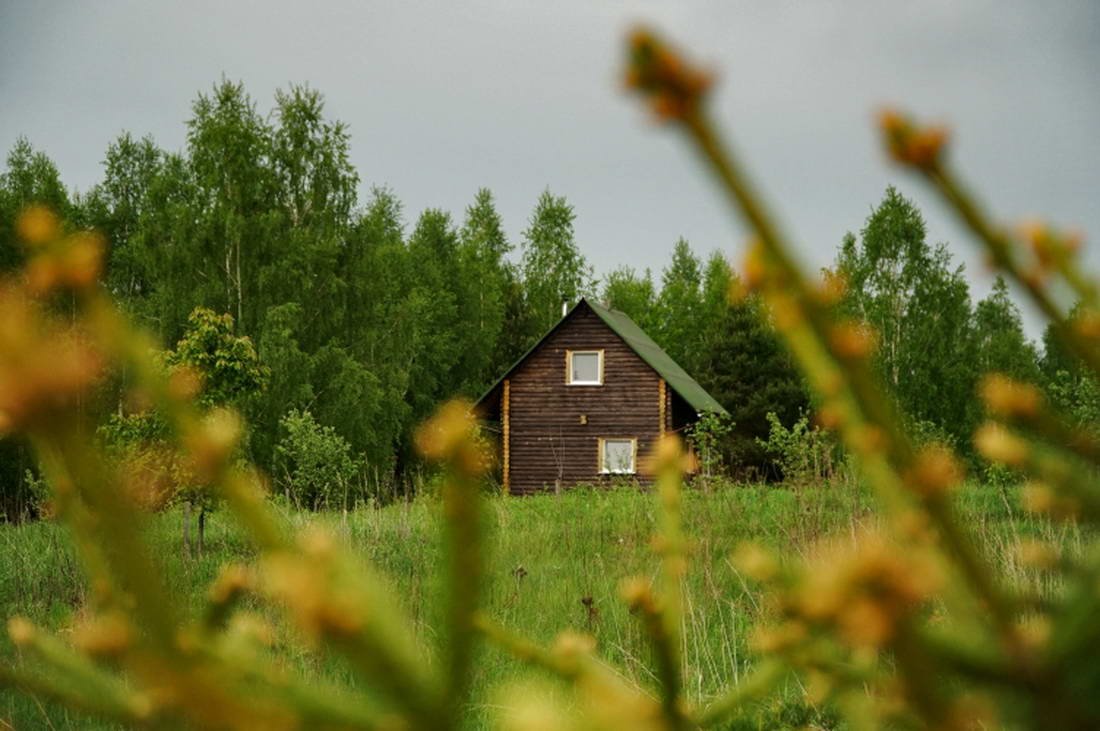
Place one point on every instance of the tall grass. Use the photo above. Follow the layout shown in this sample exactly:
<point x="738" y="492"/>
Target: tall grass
<point x="554" y="562"/>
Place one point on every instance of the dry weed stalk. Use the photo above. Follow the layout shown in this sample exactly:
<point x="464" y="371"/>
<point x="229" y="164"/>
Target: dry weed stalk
<point x="863" y="619"/>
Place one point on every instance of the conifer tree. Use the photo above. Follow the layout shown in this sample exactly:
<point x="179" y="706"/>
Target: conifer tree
<point x="485" y="277"/>
<point x="742" y="362"/>
<point x="679" y="303"/>
<point x="1001" y="345"/>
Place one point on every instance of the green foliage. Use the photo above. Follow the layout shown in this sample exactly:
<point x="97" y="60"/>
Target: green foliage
<point x="230" y="370"/>
<point x="1001" y="345"/>
<point x="731" y="348"/>
<point x="16" y="502"/>
<point x="918" y="305"/>
<point x="485" y="276"/>
<point x="368" y="326"/>
<point x="30" y="178"/>
<point x="228" y="374"/>
<point x="39" y="491"/>
<point x="1076" y="395"/>
<point x="554" y="269"/>
<point x="743" y="363"/>
<point x="928" y="433"/>
<point x="802" y="454"/>
<point x="932" y="347"/>
<point x="125" y="431"/>
<point x="706" y="436"/>
<point x="627" y="291"/>
<point x="315" y="464"/>
<point x="1067" y="379"/>
<point x="121" y="206"/>
<point x="679" y="304"/>
<point x="314" y="179"/>
<point x="436" y="327"/>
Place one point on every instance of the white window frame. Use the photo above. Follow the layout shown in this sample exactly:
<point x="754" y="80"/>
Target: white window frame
<point x="633" y="470"/>
<point x="570" y="380"/>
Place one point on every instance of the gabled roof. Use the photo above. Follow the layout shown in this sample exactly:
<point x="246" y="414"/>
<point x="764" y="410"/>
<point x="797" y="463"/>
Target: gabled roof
<point x="675" y="376"/>
<point x="657" y="359"/>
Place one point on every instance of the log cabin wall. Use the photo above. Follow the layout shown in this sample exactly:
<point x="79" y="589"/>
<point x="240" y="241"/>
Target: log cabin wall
<point x="549" y="445"/>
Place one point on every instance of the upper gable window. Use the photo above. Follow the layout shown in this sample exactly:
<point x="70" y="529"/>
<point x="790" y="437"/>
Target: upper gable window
<point x="585" y="368"/>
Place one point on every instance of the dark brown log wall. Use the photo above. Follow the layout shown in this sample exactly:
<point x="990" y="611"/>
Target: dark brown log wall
<point x="548" y="443"/>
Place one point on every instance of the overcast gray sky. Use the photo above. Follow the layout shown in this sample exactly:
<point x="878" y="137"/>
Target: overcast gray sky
<point x="442" y="98"/>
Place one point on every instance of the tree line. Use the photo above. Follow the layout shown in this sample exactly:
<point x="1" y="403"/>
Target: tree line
<point x="362" y="320"/>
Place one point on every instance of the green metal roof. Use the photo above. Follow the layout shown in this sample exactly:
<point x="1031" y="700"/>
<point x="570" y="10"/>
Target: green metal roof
<point x="657" y="359"/>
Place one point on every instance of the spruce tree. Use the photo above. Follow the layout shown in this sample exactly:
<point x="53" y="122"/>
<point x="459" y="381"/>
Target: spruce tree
<point x="484" y="277"/>
<point x="679" y="304"/>
<point x="1001" y="345"/>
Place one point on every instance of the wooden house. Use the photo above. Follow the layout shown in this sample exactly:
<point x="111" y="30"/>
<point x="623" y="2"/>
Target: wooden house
<point x="587" y="402"/>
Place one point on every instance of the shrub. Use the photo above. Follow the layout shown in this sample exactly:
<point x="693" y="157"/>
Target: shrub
<point x="315" y="464"/>
<point x="926" y="433"/>
<point x="38" y="492"/>
<point x="706" y="436"/>
<point x="1077" y="395"/>
<point x="801" y="454"/>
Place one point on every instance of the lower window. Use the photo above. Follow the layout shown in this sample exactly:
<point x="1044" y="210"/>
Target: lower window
<point x="617" y="456"/>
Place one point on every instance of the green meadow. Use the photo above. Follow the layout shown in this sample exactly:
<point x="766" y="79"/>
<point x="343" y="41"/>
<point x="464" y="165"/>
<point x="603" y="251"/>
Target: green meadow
<point x="555" y="563"/>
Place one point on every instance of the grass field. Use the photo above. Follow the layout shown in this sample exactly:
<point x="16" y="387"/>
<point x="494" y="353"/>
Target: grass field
<point x="556" y="563"/>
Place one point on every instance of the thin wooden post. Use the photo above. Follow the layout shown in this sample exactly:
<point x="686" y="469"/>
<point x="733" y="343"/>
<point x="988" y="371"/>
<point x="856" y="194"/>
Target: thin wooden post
<point x="506" y="431"/>
<point x="663" y="398"/>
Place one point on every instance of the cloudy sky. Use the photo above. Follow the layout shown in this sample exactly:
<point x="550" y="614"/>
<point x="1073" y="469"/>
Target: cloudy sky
<point x="443" y="98"/>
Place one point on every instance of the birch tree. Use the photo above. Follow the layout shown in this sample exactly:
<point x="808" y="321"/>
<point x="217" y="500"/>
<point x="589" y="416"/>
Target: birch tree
<point x="554" y="269"/>
<point x="917" y="302"/>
